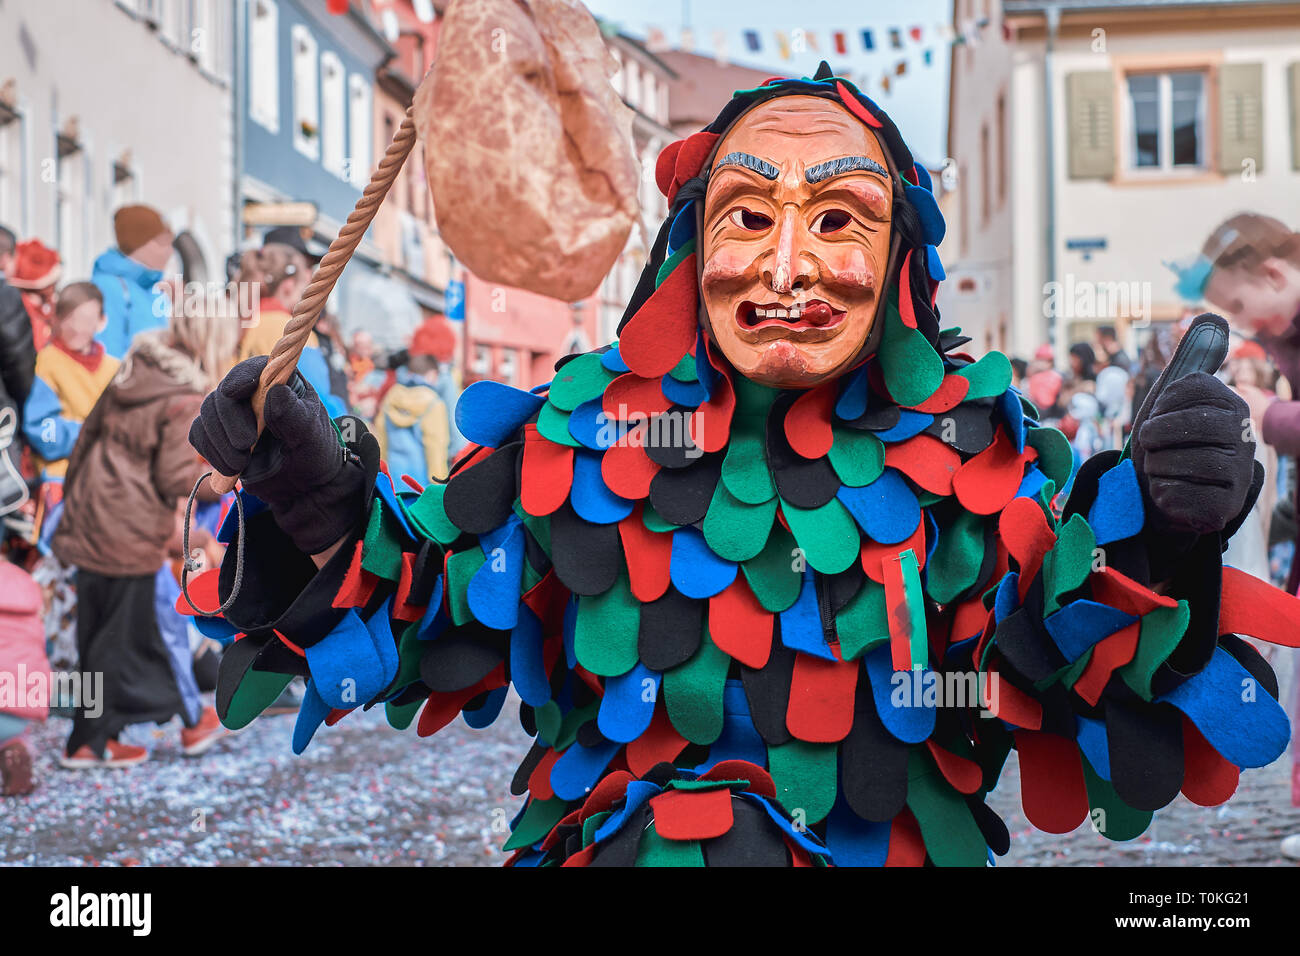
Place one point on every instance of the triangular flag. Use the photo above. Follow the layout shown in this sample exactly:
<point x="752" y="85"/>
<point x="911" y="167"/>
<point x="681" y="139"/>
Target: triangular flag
<point x="841" y="42"/>
<point x="895" y="38"/>
<point x="867" y="42"/>
<point x="915" y="33"/>
<point x="655" y="40"/>
<point x="783" y="44"/>
<point x="720" y="47"/>
<point x="752" y="41"/>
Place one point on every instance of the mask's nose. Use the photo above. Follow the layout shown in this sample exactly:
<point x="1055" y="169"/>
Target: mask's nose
<point x="790" y="270"/>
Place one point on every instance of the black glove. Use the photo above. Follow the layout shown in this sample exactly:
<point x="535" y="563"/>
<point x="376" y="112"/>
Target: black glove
<point x="1195" y="455"/>
<point x="300" y="467"/>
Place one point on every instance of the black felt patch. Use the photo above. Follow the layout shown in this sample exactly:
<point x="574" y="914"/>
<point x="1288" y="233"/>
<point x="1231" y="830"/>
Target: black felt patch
<point x="424" y="573"/>
<point x="844" y="587"/>
<point x="991" y="825"/>
<point x="235" y="662"/>
<point x="519" y="784"/>
<point x="873" y="763"/>
<point x="1027" y="646"/>
<point x="1252" y="660"/>
<point x="1199" y="579"/>
<point x="768" y="690"/>
<point x="479" y="499"/>
<point x="802" y="482"/>
<point x="753" y="840"/>
<point x="967" y="428"/>
<point x="671" y="446"/>
<point x="670" y="630"/>
<point x="589" y="736"/>
<point x="1146" y="752"/>
<point x="462" y="657"/>
<point x="587" y="556"/>
<point x="682" y="495"/>
<point x="621" y="848"/>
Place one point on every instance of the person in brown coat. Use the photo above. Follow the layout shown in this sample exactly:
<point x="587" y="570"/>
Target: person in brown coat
<point x="129" y="474"/>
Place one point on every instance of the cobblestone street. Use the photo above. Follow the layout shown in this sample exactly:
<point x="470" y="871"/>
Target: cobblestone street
<point x="364" y="794"/>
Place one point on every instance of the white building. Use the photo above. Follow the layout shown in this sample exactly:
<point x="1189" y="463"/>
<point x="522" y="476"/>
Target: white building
<point x="1166" y="117"/>
<point x="108" y="102"/>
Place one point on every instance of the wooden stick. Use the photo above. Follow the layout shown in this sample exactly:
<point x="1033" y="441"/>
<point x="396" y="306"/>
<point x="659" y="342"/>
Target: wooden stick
<point x="284" y="357"/>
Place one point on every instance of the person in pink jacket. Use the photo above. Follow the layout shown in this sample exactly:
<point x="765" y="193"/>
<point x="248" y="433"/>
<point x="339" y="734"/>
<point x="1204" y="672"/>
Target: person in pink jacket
<point x="24" y="675"/>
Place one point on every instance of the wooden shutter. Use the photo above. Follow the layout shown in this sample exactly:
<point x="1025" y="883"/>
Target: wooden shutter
<point x="1293" y="87"/>
<point x="1241" y="112"/>
<point x="1090" y="119"/>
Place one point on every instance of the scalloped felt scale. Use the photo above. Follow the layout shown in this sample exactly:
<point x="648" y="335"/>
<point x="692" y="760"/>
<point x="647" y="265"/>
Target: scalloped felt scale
<point x="858" y="457"/>
<point x="554" y="426"/>
<point x="689" y="394"/>
<point x="693" y="693"/>
<point x="1055" y="457"/>
<point x="1210" y="780"/>
<point x="663" y="329"/>
<point x="591" y="497"/>
<point x="950" y="393"/>
<point x="607" y="629"/>
<point x="628" y="471"/>
<point x="862" y="623"/>
<point x="958" y="554"/>
<point x="949" y="831"/>
<point x="801" y="623"/>
<point x="1117" y="512"/>
<point x="911" y="724"/>
<point x="744" y="469"/>
<point x="1052" y="789"/>
<point x="989" y="377"/>
<point x="695" y="570"/>
<point x="625" y="713"/>
<point x="806" y="777"/>
<point x="820" y="709"/>
<point x="493" y="592"/>
<point x="909" y="423"/>
<point x="739" y="625"/>
<point x="429" y="515"/>
<point x="886" y="510"/>
<point x="772" y="575"/>
<point x="579" y="380"/>
<point x="547" y="473"/>
<point x="930" y="463"/>
<point x="826" y="535"/>
<point x="734" y="530"/>
<point x="912" y="369"/>
<point x="479" y="498"/>
<point x="488" y="413"/>
<point x="987" y="482"/>
<point x="808" y="423"/>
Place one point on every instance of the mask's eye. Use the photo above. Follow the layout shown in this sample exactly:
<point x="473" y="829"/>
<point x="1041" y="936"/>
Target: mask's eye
<point x="833" y="220"/>
<point x="750" y="221"/>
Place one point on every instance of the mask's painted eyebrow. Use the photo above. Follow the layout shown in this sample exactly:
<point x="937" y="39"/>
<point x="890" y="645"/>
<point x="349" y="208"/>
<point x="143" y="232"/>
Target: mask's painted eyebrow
<point x="760" y="166"/>
<point x="845" y="164"/>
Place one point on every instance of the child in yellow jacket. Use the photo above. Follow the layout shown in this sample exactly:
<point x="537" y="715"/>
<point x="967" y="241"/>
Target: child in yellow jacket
<point x="411" y="423"/>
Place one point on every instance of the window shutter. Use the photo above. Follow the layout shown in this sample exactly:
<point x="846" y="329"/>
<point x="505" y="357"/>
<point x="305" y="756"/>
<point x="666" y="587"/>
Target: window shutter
<point x="1241" y="127"/>
<point x="1090" y="118"/>
<point x="1293" y="76"/>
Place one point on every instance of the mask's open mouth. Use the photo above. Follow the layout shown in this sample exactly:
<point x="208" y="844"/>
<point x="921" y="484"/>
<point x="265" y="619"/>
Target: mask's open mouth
<point x="814" y="314"/>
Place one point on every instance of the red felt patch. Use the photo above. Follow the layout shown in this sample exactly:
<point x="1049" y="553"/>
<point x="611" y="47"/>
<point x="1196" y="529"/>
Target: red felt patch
<point x="760" y="781"/>
<point x="808" y="422"/>
<point x="1010" y="703"/>
<point x="1122" y="592"/>
<point x="821" y="698"/>
<point x="611" y="789"/>
<point x="583" y="857"/>
<point x="710" y="424"/>
<point x="739" y="625"/>
<point x="402" y="610"/>
<point x="547" y="599"/>
<point x="648" y="554"/>
<point x="203" y="592"/>
<point x="906" y="309"/>
<point x="663" y="329"/>
<point x="968" y="620"/>
<point x="547" y="473"/>
<point x="1024" y="530"/>
<point x="336" y="714"/>
<point x="358" y="584"/>
<point x="946" y="397"/>
<point x="987" y="482"/>
<point x="692" y="814"/>
<point x="666" y="165"/>
<point x="1254" y="607"/>
<point x="627" y="471"/>
<point x="906" y="846"/>
<point x="926" y="460"/>
<point x="630" y="396"/>
<point x="964" y="775"/>
<point x="539" y="781"/>
<point x="412" y="483"/>
<point x="874" y="553"/>
<point x="854" y="106"/>
<point x="1208" y="779"/>
<point x="1052" y="789"/>
<point x="690" y="158"/>
<point x="659" y="743"/>
<point x="288" y="643"/>
<point x="1107" y="654"/>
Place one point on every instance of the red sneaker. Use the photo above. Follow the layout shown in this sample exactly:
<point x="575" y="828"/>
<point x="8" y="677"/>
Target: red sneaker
<point x="116" y="755"/>
<point x="15" y="770"/>
<point x="197" y="739"/>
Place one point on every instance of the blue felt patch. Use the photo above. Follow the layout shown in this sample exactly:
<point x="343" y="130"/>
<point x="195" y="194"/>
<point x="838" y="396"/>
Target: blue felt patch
<point x="1082" y="623"/>
<point x="801" y="622"/>
<point x="527" y="666"/>
<point x="704" y="371"/>
<point x="590" y="496"/>
<point x="579" y="767"/>
<point x="1032" y="482"/>
<point x="738" y="741"/>
<point x="1117" y="513"/>
<point x="490" y="412"/>
<point x="1095" y="745"/>
<point x="346" y="665"/>
<point x="435" y="619"/>
<point x="1007" y="598"/>
<point x="1014" y="415"/>
<point x="690" y="394"/>
<point x="625" y="714"/>
<point x="380" y="626"/>
<point x="923" y="179"/>
<point x="886" y="509"/>
<point x="931" y="537"/>
<point x="570" y="632"/>
<point x="854" y="841"/>
<point x="311" y="714"/>
<point x="589" y="424"/>
<point x="693" y="567"/>
<point x="852" y="402"/>
<point x="612" y="361"/>
<point x="638" y="792"/>
<point x="384" y="488"/>
<point x="934" y="265"/>
<point x="217" y="628"/>
<point x="230" y="524"/>
<point x="801" y="835"/>
<point x="1247" y="732"/>
<point x="932" y="224"/>
<point x="491" y="709"/>
<point x="493" y="591"/>
<point x="912" y="723"/>
<point x="909" y="424"/>
<point x="682" y="230"/>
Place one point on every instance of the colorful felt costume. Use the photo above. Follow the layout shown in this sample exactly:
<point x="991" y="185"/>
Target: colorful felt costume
<point x="730" y="649"/>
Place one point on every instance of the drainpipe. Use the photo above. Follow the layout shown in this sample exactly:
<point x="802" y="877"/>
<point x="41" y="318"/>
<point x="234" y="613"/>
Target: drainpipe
<point x="1052" y="12"/>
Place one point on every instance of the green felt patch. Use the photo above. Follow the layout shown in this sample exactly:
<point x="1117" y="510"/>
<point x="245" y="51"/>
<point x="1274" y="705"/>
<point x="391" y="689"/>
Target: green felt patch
<point x="592" y="824"/>
<point x="735" y="530"/>
<point x="927" y="498"/>
<point x="257" y="690"/>
<point x="828" y="535"/>
<point x="1069" y="562"/>
<point x="955" y="564"/>
<point x="952" y="837"/>
<point x="430" y="517"/>
<point x="753" y="401"/>
<point x="539" y="528"/>
<point x="549" y="722"/>
<point x="989" y="377"/>
<point x="553" y="424"/>
<point x="1110" y="815"/>
<point x="1045" y="496"/>
<point x="409" y="651"/>
<point x="673" y="261"/>
<point x="654" y="850"/>
<point x="744" y="470"/>
<point x="579" y="380"/>
<point x="572" y="722"/>
<point x="773" y="575"/>
<point x="693" y="692"/>
<point x="1161" y="630"/>
<point x="400" y="715"/>
<point x="655" y="521"/>
<point x="863" y="623"/>
<point x="462" y="566"/>
<point x="382" y="552"/>
<point x="684" y="370"/>
<point x="1055" y="458"/>
<point x="858" y="457"/>
<point x="806" y="777"/>
<point x="912" y="368"/>
<point x="538" y="819"/>
<point x="605" y="633"/>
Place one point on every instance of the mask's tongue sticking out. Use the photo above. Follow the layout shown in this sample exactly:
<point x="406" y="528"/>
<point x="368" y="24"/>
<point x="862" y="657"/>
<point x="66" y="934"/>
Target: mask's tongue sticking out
<point x="801" y="315"/>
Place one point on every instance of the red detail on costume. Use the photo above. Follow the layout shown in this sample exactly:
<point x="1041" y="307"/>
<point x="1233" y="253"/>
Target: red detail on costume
<point x="854" y="106"/>
<point x="337" y="714"/>
<point x="547" y="599"/>
<point x="1010" y="703"/>
<point x="547" y="473"/>
<point x="808" y="422"/>
<point x="968" y="620"/>
<point x="692" y="814"/>
<point x="1107" y="654"/>
<point x="663" y="329"/>
<point x="441" y="708"/>
<point x="590" y="679"/>
<point x="1024" y="530"/>
<point x="710" y="424"/>
<point x="403" y="610"/>
<point x="874" y="553"/>
<point x="1125" y="594"/>
<point x="412" y="483"/>
<point x="1208" y="779"/>
<point x="203" y="592"/>
<point x="647" y="553"/>
<point x="660" y="742"/>
<point x="926" y="460"/>
<point x="631" y="395"/>
<point x="906" y="308"/>
<point x="681" y="160"/>
<point x="760" y="781"/>
<point x="539" y="781"/>
<point x="906" y="846"/>
<point x="821" y="698"/>
<point x="583" y="857"/>
<point x="739" y="625"/>
<point x="946" y="397"/>
<point x="627" y="471"/>
<point x="1052" y="788"/>
<point x="986" y="483"/>
<point x="605" y="794"/>
<point x="290" y="644"/>
<point x="1256" y="608"/>
<point x="358" y="584"/>
<point x="964" y="775"/>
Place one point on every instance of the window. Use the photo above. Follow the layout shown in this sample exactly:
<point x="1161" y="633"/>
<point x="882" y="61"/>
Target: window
<point x="508" y="366"/>
<point x="1167" y="119"/>
<point x="71" y="213"/>
<point x="14" y="185"/>
<point x="360" y="135"/>
<point x="482" y="364"/>
<point x="264" y="64"/>
<point x="306" y="93"/>
<point x="334" y="114"/>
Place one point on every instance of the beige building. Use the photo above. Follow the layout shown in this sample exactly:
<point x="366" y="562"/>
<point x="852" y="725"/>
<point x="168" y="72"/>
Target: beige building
<point x="1165" y="118"/>
<point x="104" y="103"/>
